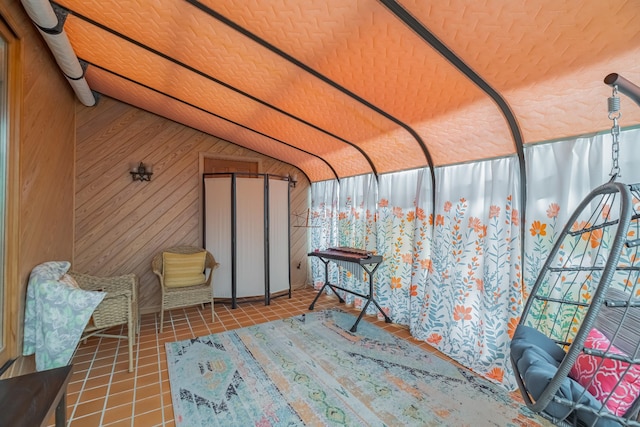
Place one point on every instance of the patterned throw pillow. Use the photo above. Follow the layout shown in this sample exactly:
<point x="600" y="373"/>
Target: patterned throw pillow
<point x="609" y="380"/>
<point x="180" y="270"/>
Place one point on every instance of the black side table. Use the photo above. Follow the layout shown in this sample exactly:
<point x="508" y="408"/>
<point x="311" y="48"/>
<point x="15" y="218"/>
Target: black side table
<point x="29" y="400"/>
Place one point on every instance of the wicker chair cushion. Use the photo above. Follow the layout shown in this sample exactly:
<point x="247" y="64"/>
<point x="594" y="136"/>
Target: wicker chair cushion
<point x="181" y="270"/>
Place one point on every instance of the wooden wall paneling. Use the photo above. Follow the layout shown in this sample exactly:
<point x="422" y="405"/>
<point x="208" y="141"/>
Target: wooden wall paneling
<point x="137" y="202"/>
<point x="44" y="167"/>
<point x="107" y="119"/>
<point x="144" y="207"/>
<point x="108" y="112"/>
<point x="111" y="160"/>
<point x="118" y="189"/>
<point x="46" y="159"/>
<point x="131" y="129"/>
<point x="120" y="224"/>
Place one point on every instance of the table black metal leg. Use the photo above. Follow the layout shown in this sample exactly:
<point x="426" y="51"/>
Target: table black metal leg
<point x="317" y="296"/>
<point x="386" y="318"/>
<point x="61" y="411"/>
<point x="320" y="293"/>
<point x="337" y="294"/>
<point x="354" y="328"/>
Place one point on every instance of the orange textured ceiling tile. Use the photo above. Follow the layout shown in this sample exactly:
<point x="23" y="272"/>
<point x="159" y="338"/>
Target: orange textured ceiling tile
<point x="193" y="37"/>
<point x="364" y="47"/>
<point x="158" y="73"/>
<point x="470" y="133"/>
<point x="516" y="43"/>
<point x="361" y="45"/>
<point x="151" y="101"/>
<point x="548" y="58"/>
<point x="568" y="106"/>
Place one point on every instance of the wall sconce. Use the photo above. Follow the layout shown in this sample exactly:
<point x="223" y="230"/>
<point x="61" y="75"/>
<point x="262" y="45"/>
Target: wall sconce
<point x="293" y="180"/>
<point x="141" y="173"/>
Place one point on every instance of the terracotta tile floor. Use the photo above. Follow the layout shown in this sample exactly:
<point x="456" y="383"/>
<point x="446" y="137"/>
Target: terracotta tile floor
<point x="103" y="393"/>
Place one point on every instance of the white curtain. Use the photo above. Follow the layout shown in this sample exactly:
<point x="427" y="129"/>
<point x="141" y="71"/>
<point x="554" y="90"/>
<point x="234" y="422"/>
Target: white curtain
<point x="473" y="296"/>
<point x="560" y="175"/>
<point x="324" y="232"/>
<point x="356" y="229"/>
<point x="404" y="241"/>
<point x="453" y="272"/>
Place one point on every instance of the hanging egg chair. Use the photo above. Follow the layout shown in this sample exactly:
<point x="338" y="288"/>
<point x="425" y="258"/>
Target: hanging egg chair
<point x="576" y="350"/>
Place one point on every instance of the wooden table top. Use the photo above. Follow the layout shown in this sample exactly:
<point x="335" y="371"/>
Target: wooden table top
<point x="30" y="400"/>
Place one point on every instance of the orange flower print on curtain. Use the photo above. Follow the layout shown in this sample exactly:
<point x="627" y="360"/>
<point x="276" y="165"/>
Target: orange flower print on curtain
<point x="404" y="238"/>
<point x="538" y="229"/>
<point x="474" y="286"/>
<point x="544" y="233"/>
<point x="357" y="229"/>
<point x="458" y="275"/>
<point x="461" y="312"/>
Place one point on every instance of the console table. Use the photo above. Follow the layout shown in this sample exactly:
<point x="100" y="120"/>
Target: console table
<point x="30" y="400"/>
<point x="366" y="260"/>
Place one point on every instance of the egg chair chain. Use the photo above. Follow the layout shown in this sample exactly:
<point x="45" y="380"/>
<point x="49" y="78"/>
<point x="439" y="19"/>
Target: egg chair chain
<point x="613" y="102"/>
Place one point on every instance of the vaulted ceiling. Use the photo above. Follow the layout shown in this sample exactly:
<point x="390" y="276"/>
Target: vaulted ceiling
<point x="340" y="88"/>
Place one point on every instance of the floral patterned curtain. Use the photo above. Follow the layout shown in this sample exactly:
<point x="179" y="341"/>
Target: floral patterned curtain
<point x="324" y="231"/>
<point x="404" y="241"/>
<point x="453" y="272"/>
<point x="566" y="172"/>
<point x="473" y="296"/>
<point x="356" y="229"/>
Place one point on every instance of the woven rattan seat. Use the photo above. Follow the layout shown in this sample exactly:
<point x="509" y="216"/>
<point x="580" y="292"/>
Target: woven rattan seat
<point x="173" y="297"/>
<point x="120" y="306"/>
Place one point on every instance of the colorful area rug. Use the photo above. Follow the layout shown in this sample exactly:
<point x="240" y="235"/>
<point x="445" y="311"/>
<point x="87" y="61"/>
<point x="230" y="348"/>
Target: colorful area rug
<point x="310" y="370"/>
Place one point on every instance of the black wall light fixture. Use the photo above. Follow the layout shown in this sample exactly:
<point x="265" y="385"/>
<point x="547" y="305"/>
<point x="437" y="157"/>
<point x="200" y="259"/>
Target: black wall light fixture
<point x="293" y="180"/>
<point x="141" y="173"/>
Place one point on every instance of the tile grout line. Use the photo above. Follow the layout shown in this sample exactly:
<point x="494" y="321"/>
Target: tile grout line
<point x="84" y="382"/>
<point x="113" y="368"/>
<point x="135" y="380"/>
<point x="159" y="364"/>
<point x="135" y="375"/>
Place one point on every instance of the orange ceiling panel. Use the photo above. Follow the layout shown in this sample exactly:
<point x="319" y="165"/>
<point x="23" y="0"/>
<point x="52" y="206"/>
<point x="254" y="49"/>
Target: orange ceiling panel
<point x="313" y="166"/>
<point x="188" y="36"/>
<point x="342" y="88"/>
<point x="547" y="57"/>
<point x="153" y="71"/>
<point x="362" y="46"/>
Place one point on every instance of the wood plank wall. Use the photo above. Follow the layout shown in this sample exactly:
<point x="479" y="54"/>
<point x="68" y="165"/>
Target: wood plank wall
<point x="42" y="161"/>
<point x="120" y="224"/>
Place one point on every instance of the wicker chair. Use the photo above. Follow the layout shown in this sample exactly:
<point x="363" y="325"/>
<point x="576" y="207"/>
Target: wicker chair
<point x="175" y="297"/>
<point x="120" y="306"/>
